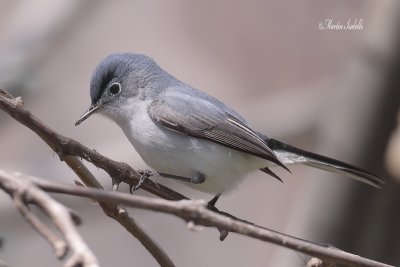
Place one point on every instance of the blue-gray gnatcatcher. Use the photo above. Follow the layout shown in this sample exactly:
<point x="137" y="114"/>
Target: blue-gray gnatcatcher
<point x="186" y="134"/>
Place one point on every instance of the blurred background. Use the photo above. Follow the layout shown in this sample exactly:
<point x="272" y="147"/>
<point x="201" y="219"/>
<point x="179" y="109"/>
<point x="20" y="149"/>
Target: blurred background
<point x="334" y="92"/>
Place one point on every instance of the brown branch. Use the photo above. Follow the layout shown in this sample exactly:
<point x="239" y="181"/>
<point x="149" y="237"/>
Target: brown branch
<point x="119" y="213"/>
<point x="196" y="211"/>
<point x="23" y="191"/>
<point x="69" y="149"/>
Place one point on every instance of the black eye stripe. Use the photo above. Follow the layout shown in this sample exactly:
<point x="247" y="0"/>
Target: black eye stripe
<point x="115" y="88"/>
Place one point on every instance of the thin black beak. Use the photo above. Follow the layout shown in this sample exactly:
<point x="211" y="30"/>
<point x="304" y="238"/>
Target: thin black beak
<point x="87" y="114"/>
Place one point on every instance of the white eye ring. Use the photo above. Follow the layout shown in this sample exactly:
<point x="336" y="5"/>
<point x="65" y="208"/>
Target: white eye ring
<point x="114" y="89"/>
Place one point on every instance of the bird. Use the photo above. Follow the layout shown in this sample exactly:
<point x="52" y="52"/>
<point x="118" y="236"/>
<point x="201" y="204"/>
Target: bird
<point x="185" y="134"/>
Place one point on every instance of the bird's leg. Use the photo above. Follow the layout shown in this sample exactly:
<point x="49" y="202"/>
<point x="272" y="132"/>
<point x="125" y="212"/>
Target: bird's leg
<point x="144" y="175"/>
<point x="212" y="202"/>
<point x="199" y="178"/>
<point x="211" y="206"/>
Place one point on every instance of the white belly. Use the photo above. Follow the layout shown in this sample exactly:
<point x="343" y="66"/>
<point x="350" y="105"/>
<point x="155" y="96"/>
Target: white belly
<point x="179" y="154"/>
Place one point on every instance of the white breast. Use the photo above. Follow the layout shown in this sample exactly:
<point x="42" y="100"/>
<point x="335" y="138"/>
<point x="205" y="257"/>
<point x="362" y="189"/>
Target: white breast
<point x="178" y="154"/>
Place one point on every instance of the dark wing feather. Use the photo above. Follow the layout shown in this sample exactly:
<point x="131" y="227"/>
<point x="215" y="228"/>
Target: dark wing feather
<point x="177" y="111"/>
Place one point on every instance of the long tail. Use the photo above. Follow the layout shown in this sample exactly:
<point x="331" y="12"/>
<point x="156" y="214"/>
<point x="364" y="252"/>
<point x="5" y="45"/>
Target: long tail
<point x="291" y="155"/>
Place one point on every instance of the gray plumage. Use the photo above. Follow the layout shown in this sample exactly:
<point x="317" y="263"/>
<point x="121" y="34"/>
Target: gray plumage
<point x="182" y="131"/>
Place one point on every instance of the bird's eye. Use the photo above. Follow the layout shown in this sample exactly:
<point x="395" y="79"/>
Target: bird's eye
<point x="115" y="89"/>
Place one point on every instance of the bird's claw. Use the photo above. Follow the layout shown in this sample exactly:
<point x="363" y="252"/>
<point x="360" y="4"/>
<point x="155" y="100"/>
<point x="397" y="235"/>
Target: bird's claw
<point x="144" y="175"/>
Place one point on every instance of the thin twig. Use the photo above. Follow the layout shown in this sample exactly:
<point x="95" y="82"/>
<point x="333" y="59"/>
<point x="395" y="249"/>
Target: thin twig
<point x="59" y="245"/>
<point x="23" y="191"/>
<point x="120" y="214"/>
<point x="196" y="211"/>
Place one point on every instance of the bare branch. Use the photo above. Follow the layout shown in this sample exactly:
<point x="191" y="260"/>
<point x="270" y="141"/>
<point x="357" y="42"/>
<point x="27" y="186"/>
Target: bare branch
<point x="196" y="211"/>
<point x="59" y="245"/>
<point x="68" y="149"/>
<point x="23" y="192"/>
<point x="119" y="213"/>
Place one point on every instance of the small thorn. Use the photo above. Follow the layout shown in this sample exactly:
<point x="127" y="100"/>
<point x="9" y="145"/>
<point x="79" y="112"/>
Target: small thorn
<point x="222" y="234"/>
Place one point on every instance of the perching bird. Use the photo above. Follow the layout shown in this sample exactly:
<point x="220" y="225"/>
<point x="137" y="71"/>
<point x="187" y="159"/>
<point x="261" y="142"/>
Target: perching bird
<point x="189" y="135"/>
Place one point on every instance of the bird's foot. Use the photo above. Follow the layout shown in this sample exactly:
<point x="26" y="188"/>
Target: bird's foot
<point x="212" y="202"/>
<point x="144" y="175"/>
<point x="211" y="206"/>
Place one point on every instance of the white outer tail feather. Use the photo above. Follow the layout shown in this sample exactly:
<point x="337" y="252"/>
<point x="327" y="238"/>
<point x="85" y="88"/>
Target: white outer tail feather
<point x="291" y="155"/>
